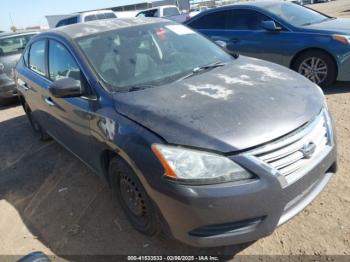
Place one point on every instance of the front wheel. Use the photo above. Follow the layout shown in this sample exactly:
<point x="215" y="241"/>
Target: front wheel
<point x="317" y="66"/>
<point x="133" y="198"/>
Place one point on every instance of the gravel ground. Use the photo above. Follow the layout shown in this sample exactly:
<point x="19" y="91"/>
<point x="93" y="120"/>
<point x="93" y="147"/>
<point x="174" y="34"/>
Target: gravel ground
<point x="49" y="201"/>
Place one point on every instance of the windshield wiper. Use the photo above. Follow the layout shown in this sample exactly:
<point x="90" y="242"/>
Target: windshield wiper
<point x="134" y="88"/>
<point x="203" y="68"/>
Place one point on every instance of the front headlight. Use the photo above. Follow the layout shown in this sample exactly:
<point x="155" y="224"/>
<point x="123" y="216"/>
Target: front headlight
<point x="197" y="167"/>
<point x="345" y="39"/>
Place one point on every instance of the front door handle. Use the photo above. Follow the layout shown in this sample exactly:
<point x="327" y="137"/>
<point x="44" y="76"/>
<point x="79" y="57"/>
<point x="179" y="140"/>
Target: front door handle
<point x="49" y="101"/>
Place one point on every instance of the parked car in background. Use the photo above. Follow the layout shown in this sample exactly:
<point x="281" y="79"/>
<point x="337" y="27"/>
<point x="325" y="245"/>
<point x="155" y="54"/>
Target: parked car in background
<point x="82" y="17"/>
<point x="166" y="11"/>
<point x="313" y="44"/>
<point x="11" y="48"/>
<point x="196" y="11"/>
<point x="126" y="14"/>
<point x="212" y="149"/>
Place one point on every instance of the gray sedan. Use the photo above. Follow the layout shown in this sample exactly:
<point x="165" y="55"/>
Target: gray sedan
<point x="11" y="48"/>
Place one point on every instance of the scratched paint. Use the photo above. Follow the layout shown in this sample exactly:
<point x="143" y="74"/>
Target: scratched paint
<point x="107" y="126"/>
<point x="212" y="91"/>
<point x="267" y="73"/>
<point x="236" y="80"/>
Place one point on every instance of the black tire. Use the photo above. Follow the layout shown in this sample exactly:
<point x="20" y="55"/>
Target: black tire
<point x="331" y="67"/>
<point x="142" y="215"/>
<point x="37" y="128"/>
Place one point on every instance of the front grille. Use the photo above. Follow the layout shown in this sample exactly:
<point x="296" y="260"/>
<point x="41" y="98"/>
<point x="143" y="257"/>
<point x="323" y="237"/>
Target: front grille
<point x="290" y="155"/>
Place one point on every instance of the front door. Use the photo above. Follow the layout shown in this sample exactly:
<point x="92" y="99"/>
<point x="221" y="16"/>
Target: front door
<point x="70" y="117"/>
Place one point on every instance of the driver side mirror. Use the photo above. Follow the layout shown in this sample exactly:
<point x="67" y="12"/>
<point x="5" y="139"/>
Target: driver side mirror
<point x="221" y="43"/>
<point x="227" y="48"/>
<point x="66" y="87"/>
<point x="270" y="26"/>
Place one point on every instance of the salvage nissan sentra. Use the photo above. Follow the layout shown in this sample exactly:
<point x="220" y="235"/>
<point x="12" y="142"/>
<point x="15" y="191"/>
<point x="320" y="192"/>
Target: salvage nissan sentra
<point x="210" y="148"/>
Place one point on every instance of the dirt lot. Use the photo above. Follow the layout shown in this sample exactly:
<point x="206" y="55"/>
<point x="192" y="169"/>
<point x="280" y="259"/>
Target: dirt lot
<point x="50" y="201"/>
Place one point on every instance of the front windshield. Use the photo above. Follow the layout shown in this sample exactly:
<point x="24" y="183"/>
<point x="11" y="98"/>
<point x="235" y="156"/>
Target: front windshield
<point x="151" y="54"/>
<point x="296" y="14"/>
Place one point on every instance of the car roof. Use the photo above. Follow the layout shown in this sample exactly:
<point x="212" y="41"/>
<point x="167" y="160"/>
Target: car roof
<point x="252" y="3"/>
<point x="100" y="26"/>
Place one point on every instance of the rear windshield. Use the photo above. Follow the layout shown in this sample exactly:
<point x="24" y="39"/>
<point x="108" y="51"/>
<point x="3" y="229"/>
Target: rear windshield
<point x="99" y="17"/>
<point x="14" y="44"/>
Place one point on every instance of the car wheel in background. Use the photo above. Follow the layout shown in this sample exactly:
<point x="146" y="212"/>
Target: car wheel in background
<point x="44" y="136"/>
<point x="317" y="66"/>
<point x="133" y="198"/>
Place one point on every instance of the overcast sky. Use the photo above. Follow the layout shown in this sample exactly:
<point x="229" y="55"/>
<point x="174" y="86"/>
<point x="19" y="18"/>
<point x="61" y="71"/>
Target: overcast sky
<point x="26" y="13"/>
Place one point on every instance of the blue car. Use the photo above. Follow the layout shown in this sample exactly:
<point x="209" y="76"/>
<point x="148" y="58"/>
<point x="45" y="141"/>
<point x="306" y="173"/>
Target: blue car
<point x="313" y="44"/>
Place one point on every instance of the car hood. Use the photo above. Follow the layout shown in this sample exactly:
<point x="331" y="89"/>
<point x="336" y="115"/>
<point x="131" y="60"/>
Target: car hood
<point x="246" y="103"/>
<point x="339" y="25"/>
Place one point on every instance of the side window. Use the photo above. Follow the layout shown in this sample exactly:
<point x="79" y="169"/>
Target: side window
<point x="90" y="18"/>
<point x="68" y="21"/>
<point x="245" y="20"/>
<point x="150" y="13"/>
<point x="37" y="57"/>
<point x="142" y="14"/>
<point x="61" y="63"/>
<point x="213" y="20"/>
<point x="62" y="23"/>
<point x="25" y="57"/>
<point x="170" y="11"/>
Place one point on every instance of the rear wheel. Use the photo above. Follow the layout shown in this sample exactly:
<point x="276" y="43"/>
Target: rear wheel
<point x="44" y="136"/>
<point x="133" y="198"/>
<point x="317" y="66"/>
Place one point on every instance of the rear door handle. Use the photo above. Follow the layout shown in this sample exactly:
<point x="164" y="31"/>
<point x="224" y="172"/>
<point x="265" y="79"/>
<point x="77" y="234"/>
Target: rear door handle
<point x="23" y="84"/>
<point x="49" y="101"/>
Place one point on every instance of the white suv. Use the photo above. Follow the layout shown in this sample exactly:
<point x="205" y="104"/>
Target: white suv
<point x="83" y="17"/>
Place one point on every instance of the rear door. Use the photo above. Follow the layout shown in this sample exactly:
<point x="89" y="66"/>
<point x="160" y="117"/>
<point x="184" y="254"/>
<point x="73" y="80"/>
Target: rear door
<point x="33" y="82"/>
<point x="250" y="38"/>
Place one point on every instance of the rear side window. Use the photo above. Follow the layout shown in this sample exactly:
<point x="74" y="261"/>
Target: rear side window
<point x="110" y="15"/>
<point x="149" y="13"/>
<point x="68" y="21"/>
<point x="245" y="20"/>
<point x="13" y="45"/>
<point x="61" y="63"/>
<point x="37" y="57"/>
<point x="170" y="11"/>
<point x="90" y="18"/>
<point x="212" y="20"/>
<point x="230" y="20"/>
<point x="99" y="17"/>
